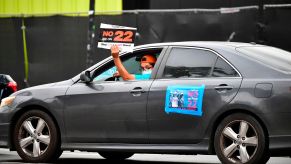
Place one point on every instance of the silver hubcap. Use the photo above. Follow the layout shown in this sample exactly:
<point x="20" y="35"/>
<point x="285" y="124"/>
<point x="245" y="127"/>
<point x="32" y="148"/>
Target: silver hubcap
<point x="34" y="136"/>
<point x="239" y="141"/>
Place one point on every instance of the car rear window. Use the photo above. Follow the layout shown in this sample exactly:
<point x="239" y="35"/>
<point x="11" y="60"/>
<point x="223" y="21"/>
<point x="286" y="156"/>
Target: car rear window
<point x="274" y="57"/>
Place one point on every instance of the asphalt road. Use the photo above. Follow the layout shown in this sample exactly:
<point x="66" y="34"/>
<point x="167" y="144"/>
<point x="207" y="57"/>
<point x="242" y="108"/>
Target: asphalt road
<point x="7" y="157"/>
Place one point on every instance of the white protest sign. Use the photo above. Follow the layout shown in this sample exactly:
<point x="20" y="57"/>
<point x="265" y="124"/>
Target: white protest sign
<point x="119" y="35"/>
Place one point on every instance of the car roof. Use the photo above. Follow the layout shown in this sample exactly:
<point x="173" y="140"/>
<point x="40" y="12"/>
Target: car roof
<point x="208" y="44"/>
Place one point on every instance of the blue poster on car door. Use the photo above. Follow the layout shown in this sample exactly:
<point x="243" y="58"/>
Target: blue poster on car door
<point x="184" y="99"/>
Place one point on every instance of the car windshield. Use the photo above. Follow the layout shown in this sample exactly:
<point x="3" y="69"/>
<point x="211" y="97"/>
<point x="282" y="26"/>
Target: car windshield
<point x="274" y="57"/>
<point x="2" y="79"/>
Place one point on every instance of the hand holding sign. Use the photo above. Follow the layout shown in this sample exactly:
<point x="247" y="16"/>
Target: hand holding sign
<point x="121" y="36"/>
<point x="114" y="51"/>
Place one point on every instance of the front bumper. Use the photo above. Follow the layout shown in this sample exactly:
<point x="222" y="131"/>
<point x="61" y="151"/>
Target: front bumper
<point x="4" y="135"/>
<point x="4" y="127"/>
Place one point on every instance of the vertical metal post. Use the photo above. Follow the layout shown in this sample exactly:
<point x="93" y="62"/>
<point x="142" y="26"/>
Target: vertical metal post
<point x="91" y="34"/>
<point x="25" y="55"/>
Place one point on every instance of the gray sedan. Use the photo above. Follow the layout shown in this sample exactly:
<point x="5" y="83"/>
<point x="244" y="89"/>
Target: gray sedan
<point x="229" y="99"/>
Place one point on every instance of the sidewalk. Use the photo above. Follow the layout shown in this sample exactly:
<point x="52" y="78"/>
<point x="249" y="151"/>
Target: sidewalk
<point x="7" y="152"/>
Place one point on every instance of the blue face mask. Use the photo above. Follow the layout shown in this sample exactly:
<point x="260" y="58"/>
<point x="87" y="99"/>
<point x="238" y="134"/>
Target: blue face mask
<point x="149" y="71"/>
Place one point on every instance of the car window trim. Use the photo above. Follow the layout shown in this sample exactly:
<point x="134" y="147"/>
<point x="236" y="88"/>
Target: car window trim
<point x="198" y="78"/>
<point x="167" y="54"/>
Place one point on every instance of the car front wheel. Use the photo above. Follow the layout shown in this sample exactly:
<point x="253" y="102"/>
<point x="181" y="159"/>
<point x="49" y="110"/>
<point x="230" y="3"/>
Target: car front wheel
<point x="116" y="155"/>
<point x="36" y="137"/>
<point x="240" y="138"/>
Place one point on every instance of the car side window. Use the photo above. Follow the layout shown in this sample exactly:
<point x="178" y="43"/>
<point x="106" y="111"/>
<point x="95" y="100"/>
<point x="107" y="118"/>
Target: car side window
<point x="223" y="69"/>
<point x="106" y="74"/>
<point x="131" y="65"/>
<point x="131" y="62"/>
<point x="189" y="63"/>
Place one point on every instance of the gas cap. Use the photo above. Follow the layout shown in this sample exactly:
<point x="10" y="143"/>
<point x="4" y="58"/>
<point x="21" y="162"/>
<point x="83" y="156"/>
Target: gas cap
<point x="263" y="90"/>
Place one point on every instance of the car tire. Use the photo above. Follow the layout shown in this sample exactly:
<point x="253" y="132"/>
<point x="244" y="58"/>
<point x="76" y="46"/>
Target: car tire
<point x="36" y="137"/>
<point x="57" y="155"/>
<point x="240" y="138"/>
<point x="115" y="155"/>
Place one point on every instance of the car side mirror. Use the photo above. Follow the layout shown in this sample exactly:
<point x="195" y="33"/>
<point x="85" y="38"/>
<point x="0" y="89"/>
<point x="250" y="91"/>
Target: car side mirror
<point x="85" y="77"/>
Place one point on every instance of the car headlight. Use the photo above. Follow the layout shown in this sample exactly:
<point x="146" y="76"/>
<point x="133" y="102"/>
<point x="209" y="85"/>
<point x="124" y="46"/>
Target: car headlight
<point x="7" y="101"/>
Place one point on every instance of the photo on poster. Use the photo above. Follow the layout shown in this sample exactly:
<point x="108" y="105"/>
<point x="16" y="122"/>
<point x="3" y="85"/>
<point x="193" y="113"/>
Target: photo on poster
<point x="184" y="99"/>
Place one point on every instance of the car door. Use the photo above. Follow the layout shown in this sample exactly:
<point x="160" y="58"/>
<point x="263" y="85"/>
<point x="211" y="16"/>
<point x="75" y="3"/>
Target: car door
<point x="108" y="111"/>
<point x="183" y="72"/>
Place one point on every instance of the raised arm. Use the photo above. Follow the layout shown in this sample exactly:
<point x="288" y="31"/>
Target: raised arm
<point x="121" y="69"/>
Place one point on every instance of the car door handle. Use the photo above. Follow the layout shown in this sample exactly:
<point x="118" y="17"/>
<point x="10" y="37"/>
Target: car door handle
<point x="137" y="90"/>
<point x="223" y="87"/>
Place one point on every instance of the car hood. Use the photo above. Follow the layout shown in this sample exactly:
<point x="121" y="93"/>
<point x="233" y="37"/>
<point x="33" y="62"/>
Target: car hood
<point x="44" y="87"/>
